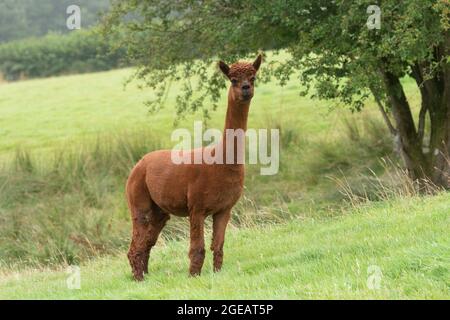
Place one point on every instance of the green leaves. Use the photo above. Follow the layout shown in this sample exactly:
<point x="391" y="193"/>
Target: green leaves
<point x="330" y="43"/>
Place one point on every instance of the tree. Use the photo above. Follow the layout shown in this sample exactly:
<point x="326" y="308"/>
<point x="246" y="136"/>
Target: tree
<point x="338" y="56"/>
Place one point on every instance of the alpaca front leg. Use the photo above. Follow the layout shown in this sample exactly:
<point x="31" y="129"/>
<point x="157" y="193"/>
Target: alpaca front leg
<point x="220" y="222"/>
<point x="197" y="246"/>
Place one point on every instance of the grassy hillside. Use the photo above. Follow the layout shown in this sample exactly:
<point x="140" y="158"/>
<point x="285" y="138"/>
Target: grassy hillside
<point x="68" y="143"/>
<point x="405" y="241"/>
<point x="47" y="113"/>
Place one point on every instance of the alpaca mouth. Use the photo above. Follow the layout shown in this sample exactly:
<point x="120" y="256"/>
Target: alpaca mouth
<point x="246" y="96"/>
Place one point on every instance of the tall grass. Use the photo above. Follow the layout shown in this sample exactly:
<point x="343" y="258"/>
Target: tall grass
<point x="69" y="205"/>
<point x="393" y="183"/>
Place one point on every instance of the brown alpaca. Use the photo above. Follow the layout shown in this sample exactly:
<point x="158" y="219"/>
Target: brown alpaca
<point x="157" y="187"/>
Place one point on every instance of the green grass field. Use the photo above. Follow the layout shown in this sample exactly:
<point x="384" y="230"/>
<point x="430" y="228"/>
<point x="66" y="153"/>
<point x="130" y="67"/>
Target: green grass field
<point x="404" y="243"/>
<point x="47" y="112"/>
<point x="311" y="231"/>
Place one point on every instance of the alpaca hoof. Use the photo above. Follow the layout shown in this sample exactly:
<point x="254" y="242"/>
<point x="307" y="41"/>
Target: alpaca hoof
<point x="138" y="277"/>
<point x="194" y="273"/>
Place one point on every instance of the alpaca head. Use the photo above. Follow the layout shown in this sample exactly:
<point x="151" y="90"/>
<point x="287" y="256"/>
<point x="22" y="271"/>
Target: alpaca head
<point x="242" y="76"/>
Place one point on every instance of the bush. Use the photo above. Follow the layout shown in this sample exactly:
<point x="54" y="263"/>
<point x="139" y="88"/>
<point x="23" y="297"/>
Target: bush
<point x="54" y="54"/>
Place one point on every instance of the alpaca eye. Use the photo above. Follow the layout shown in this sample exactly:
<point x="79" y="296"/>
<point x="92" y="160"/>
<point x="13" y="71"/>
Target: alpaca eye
<point x="253" y="79"/>
<point x="234" y="81"/>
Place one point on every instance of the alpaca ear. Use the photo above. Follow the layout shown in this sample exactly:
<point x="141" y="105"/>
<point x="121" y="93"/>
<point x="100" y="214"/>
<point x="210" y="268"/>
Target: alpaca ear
<point x="224" y="67"/>
<point x="257" y="62"/>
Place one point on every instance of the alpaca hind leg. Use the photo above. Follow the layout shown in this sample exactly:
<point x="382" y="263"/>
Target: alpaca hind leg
<point x="140" y="205"/>
<point x="220" y="222"/>
<point x="140" y="243"/>
<point x="197" y="245"/>
<point x="147" y="226"/>
<point x="158" y="220"/>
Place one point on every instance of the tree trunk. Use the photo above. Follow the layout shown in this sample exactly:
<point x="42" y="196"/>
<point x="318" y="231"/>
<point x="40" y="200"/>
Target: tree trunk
<point x="435" y="93"/>
<point x="411" y="147"/>
<point x="433" y="165"/>
<point x="440" y="142"/>
<point x="442" y="162"/>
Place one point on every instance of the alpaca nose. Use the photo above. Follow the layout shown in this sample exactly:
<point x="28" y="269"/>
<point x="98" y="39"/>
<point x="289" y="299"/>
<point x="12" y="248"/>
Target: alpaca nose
<point x="245" y="87"/>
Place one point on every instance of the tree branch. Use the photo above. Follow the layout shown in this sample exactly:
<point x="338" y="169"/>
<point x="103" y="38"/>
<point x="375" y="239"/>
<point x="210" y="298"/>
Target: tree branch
<point x="416" y="73"/>
<point x="382" y="109"/>
<point x="421" y="125"/>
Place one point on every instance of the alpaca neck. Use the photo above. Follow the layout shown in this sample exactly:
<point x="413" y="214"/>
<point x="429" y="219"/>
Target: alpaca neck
<point x="237" y="113"/>
<point x="236" y="118"/>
